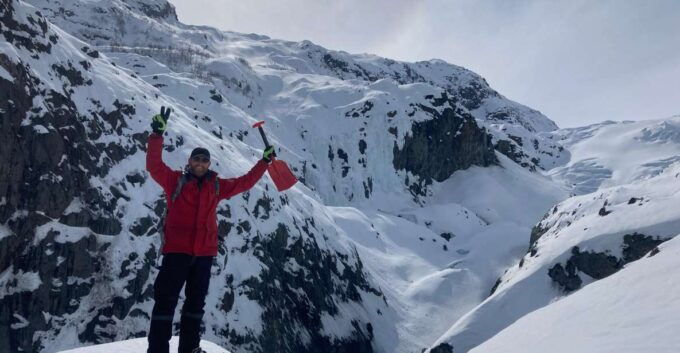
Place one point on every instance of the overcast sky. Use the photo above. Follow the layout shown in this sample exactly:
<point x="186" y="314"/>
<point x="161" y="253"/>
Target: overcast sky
<point x="577" y="61"/>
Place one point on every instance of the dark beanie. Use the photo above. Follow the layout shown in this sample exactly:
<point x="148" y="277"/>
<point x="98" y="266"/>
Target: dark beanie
<point x="200" y="151"/>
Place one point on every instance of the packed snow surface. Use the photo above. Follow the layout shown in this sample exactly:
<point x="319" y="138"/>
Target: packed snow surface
<point x="139" y="345"/>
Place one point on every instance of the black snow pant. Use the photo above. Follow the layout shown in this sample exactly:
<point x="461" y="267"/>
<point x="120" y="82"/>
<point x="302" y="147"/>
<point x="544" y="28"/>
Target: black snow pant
<point x="175" y="270"/>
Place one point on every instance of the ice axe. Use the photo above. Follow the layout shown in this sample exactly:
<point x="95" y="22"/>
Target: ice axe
<point x="278" y="170"/>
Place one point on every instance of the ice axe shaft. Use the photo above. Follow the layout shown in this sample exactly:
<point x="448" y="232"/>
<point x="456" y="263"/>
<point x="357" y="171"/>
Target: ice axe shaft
<point x="264" y="137"/>
<point x="278" y="170"/>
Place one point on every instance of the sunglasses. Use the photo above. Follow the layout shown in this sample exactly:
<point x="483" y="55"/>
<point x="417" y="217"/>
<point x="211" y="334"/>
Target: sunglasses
<point x="202" y="159"/>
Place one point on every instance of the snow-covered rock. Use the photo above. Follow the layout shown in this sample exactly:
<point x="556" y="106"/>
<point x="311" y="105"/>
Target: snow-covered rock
<point x="634" y="310"/>
<point x="581" y="240"/>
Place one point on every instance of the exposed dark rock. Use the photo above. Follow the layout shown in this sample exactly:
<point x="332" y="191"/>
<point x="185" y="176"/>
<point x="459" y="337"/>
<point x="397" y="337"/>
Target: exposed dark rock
<point x="56" y="295"/>
<point x="511" y="150"/>
<point x="447" y="235"/>
<point x="500" y="115"/>
<point x="637" y="245"/>
<point x="368" y="187"/>
<point x="654" y="252"/>
<point x="495" y="286"/>
<point x="264" y="203"/>
<point x="471" y="96"/>
<point x="216" y="96"/>
<point x="437" y="148"/>
<point x="603" y="211"/>
<point x="517" y="139"/>
<point x="228" y="297"/>
<point x="595" y="264"/>
<point x="599" y="265"/>
<point x="90" y="52"/>
<point x="362" y="146"/>
<point x="136" y="178"/>
<point x="566" y="278"/>
<point x="439" y="101"/>
<point x="442" y="348"/>
<point x="537" y="232"/>
<point x="142" y="225"/>
<point x="31" y="36"/>
<point x="342" y="67"/>
<point x="243" y="226"/>
<point x="331" y="155"/>
<point x="159" y="11"/>
<point x="318" y="281"/>
<point x="361" y="111"/>
<point x="343" y="155"/>
<point x="72" y="74"/>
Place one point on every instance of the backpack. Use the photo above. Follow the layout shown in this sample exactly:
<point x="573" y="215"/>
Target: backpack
<point x="178" y="189"/>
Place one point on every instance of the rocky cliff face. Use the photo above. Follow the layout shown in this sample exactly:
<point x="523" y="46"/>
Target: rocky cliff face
<point x="435" y="149"/>
<point x="48" y="156"/>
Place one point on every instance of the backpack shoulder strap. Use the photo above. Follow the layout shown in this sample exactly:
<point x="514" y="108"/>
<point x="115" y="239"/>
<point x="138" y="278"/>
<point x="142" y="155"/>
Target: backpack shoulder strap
<point x="180" y="184"/>
<point x="217" y="185"/>
<point x="161" y="229"/>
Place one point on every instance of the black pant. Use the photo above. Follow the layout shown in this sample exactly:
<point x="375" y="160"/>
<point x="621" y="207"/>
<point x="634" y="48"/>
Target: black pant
<point x="175" y="271"/>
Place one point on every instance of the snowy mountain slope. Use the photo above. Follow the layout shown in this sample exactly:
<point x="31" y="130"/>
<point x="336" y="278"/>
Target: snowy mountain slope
<point x="138" y="345"/>
<point x="387" y="200"/>
<point x="437" y="262"/>
<point x="616" y="153"/>
<point x="249" y="67"/>
<point x="634" y="310"/>
<point x="582" y="239"/>
<point x="79" y="238"/>
<point x="340" y="137"/>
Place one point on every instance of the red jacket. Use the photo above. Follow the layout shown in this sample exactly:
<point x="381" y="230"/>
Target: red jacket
<point x="191" y="221"/>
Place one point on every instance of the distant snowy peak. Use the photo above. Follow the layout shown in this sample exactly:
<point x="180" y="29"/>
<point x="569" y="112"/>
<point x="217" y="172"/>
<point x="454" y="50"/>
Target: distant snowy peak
<point x="158" y="9"/>
<point x="615" y="153"/>
<point x="126" y="23"/>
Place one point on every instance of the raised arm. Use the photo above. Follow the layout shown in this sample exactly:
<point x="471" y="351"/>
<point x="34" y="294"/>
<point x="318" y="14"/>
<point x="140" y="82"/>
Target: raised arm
<point x="233" y="186"/>
<point x="159" y="171"/>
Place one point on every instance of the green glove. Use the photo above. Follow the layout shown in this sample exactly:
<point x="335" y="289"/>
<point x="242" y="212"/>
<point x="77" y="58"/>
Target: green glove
<point x="159" y="122"/>
<point x="268" y="154"/>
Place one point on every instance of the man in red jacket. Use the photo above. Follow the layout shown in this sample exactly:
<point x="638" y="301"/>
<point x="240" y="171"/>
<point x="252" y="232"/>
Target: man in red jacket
<point x="189" y="236"/>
